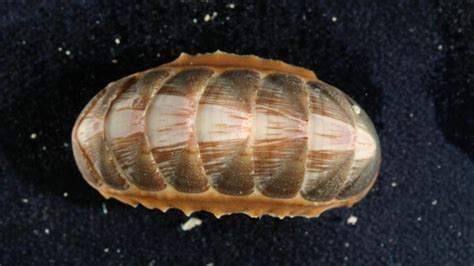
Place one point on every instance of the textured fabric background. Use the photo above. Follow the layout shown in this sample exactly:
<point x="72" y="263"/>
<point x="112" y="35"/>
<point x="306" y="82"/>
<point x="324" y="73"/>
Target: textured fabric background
<point x="410" y="65"/>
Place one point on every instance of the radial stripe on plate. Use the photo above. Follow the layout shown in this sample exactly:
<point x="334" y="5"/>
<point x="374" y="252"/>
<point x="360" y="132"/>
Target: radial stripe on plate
<point x="171" y="130"/>
<point x="125" y="132"/>
<point x="223" y="126"/>
<point x="331" y="145"/>
<point x="86" y="166"/>
<point x="367" y="157"/>
<point x="91" y="135"/>
<point x="281" y="125"/>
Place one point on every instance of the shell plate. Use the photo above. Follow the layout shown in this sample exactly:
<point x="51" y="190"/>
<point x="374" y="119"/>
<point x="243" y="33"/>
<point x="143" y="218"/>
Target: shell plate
<point x="227" y="133"/>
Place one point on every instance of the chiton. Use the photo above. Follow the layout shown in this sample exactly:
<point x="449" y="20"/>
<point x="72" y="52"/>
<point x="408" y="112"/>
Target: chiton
<point x="227" y="134"/>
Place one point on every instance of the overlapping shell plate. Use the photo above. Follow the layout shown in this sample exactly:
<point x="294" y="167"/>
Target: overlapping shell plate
<point x="227" y="133"/>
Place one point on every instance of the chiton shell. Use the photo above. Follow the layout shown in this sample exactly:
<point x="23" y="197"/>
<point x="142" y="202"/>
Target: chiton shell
<point x="227" y="134"/>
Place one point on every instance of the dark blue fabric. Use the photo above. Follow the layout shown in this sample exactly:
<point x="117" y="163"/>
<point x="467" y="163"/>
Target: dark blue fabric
<point x="409" y="64"/>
